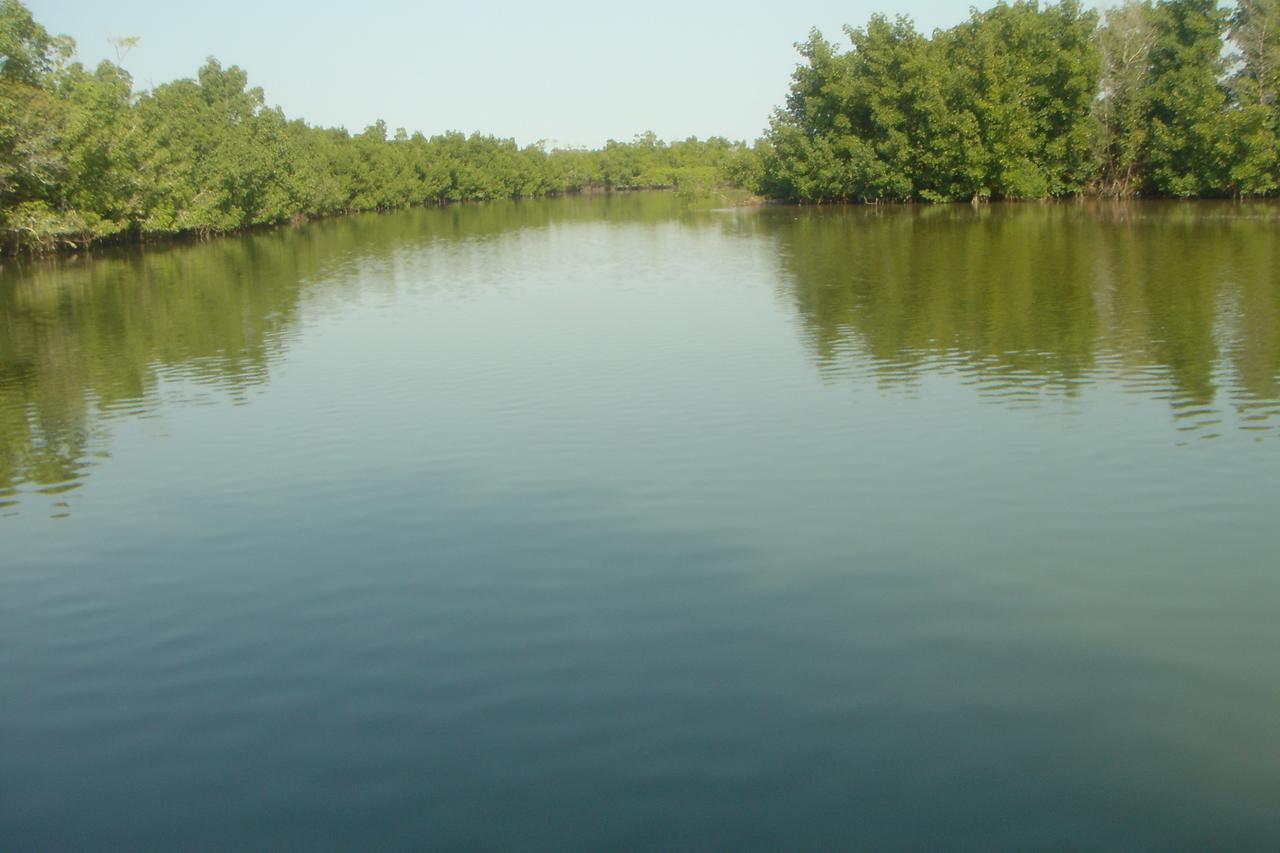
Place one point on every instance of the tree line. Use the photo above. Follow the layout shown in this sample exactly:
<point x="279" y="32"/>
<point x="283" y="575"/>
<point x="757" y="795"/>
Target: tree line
<point x="85" y="159"/>
<point x="1176" y="98"/>
<point x="1167" y="98"/>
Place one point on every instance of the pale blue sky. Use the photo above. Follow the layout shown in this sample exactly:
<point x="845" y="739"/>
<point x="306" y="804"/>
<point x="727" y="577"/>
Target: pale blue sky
<point x="576" y="72"/>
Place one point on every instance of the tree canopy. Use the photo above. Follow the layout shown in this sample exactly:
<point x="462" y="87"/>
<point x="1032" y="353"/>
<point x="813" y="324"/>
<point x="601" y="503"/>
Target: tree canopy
<point x="85" y="158"/>
<point x="1022" y="100"/>
<point x="1025" y="100"/>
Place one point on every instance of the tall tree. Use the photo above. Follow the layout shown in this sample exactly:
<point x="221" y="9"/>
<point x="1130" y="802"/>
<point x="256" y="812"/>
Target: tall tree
<point x="1189" y="148"/>
<point x="1125" y="41"/>
<point x="1255" y="31"/>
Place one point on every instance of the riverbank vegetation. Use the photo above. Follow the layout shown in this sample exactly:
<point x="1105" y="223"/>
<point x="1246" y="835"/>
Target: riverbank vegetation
<point x="84" y="158"/>
<point x="1176" y="98"/>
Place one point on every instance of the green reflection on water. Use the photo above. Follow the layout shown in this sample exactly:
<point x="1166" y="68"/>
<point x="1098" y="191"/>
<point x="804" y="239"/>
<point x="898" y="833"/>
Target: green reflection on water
<point x="1176" y="300"/>
<point x="1046" y="295"/>
<point x="83" y="338"/>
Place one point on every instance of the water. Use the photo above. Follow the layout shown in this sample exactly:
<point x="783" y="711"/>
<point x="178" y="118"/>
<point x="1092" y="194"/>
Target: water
<point x="604" y="522"/>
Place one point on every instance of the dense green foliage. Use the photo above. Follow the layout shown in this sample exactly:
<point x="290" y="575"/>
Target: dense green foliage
<point x="84" y="158"/>
<point x="1168" y="98"/>
<point x="1031" y="101"/>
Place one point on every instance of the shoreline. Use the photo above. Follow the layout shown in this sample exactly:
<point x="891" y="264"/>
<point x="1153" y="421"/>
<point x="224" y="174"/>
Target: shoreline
<point x="70" y="247"/>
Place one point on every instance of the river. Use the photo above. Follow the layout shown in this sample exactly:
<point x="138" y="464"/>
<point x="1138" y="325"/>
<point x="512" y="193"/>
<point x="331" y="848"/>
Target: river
<point x="610" y="522"/>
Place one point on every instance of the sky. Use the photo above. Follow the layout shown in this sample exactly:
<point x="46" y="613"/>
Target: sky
<point x="571" y="72"/>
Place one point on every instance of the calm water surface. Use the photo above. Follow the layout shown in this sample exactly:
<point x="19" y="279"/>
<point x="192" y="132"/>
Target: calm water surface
<point x="603" y="522"/>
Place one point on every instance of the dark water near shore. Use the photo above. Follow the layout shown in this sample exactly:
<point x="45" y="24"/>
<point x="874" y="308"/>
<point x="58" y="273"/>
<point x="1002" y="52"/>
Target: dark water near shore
<point x="601" y="522"/>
